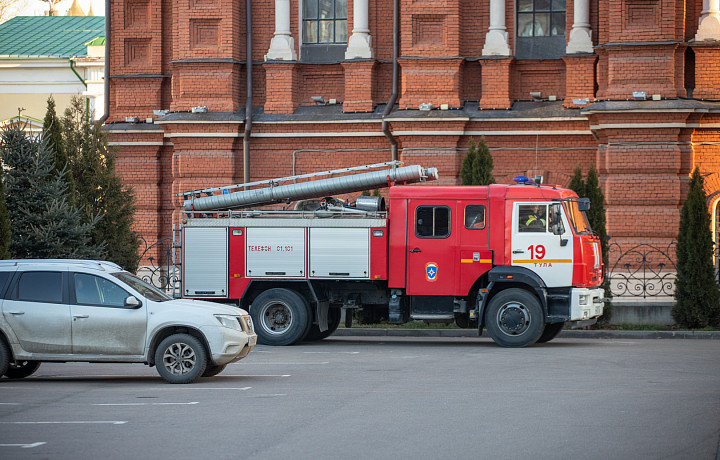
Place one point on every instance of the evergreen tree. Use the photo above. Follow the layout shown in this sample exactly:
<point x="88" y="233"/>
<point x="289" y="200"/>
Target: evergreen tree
<point x="477" y="165"/>
<point x="99" y="189"/>
<point x="696" y="292"/>
<point x="577" y="184"/>
<point x="43" y="223"/>
<point x="596" y="216"/>
<point x="4" y="220"/>
<point x="52" y="131"/>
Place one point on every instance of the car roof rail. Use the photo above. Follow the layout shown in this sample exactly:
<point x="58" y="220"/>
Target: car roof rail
<point x="103" y="265"/>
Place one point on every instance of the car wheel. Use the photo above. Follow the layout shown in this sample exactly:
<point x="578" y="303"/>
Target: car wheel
<point x="281" y="317"/>
<point x="333" y="323"/>
<point x="4" y="357"/>
<point x="212" y="370"/>
<point x="514" y="318"/>
<point x="180" y="358"/>
<point x="21" y="369"/>
<point x="551" y="331"/>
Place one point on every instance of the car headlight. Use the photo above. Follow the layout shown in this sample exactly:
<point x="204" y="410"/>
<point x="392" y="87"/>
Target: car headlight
<point x="229" y="321"/>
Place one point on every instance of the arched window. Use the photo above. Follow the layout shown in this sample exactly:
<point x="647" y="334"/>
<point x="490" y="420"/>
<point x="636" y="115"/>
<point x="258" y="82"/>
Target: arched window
<point x="324" y="30"/>
<point x="540" y="29"/>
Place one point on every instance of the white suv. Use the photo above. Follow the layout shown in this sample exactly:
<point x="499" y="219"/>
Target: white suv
<point x="93" y="311"/>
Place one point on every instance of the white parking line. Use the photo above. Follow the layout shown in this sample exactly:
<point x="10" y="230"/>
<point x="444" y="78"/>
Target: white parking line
<point x="291" y="364"/>
<point x="332" y="352"/>
<point x="150" y="404"/>
<point x="93" y="422"/>
<point x="255" y="375"/>
<point x="9" y="404"/>
<point x="24" y="446"/>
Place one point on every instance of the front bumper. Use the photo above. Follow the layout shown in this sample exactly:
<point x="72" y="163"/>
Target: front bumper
<point x="586" y="304"/>
<point x="230" y="345"/>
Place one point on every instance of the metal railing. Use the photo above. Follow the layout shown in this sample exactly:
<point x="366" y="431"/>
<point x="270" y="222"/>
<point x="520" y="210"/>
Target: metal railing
<point x="157" y="264"/>
<point x="643" y="271"/>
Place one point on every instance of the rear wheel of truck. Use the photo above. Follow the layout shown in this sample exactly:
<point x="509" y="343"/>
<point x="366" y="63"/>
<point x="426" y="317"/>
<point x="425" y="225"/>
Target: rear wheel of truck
<point x="333" y="323"/>
<point x="281" y="317"/>
<point x="551" y="331"/>
<point x="514" y="318"/>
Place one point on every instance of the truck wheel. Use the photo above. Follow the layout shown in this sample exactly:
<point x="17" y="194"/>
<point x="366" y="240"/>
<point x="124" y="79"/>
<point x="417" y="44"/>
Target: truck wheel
<point x="551" y="331"/>
<point x="281" y="316"/>
<point x="333" y="323"/>
<point x="4" y="357"/>
<point x="514" y="318"/>
<point x="180" y="358"/>
<point x="21" y="369"/>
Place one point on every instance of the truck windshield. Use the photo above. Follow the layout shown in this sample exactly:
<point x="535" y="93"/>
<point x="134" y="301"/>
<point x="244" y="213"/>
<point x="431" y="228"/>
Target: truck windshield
<point x="144" y="288"/>
<point x="578" y="218"/>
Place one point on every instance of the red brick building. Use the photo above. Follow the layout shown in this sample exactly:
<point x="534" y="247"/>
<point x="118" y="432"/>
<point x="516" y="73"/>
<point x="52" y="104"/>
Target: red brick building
<point x="630" y="86"/>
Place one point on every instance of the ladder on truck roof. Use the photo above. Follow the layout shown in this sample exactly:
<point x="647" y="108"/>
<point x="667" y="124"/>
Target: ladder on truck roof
<point x="241" y="196"/>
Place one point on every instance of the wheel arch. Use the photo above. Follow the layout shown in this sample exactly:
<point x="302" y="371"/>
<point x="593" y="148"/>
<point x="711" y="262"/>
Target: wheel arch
<point x="505" y="277"/>
<point x="167" y="331"/>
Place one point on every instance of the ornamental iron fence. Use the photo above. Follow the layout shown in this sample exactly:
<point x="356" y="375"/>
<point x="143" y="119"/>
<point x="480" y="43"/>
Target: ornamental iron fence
<point x="157" y="264"/>
<point x="643" y="271"/>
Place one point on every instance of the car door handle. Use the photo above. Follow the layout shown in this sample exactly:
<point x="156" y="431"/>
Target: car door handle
<point x="518" y="251"/>
<point x="415" y="250"/>
<point x="81" y="316"/>
<point x="17" y="313"/>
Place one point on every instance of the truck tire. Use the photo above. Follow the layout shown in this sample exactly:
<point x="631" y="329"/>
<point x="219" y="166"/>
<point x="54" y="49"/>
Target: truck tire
<point x="21" y="369"/>
<point x="333" y="322"/>
<point x="514" y="318"/>
<point x="281" y="317"/>
<point x="551" y="331"/>
<point x="180" y="358"/>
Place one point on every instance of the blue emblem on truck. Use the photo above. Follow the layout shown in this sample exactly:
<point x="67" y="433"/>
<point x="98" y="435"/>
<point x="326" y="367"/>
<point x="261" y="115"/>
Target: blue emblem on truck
<point x="431" y="270"/>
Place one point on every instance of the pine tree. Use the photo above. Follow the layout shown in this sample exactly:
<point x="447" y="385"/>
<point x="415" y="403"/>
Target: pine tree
<point x="696" y="292"/>
<point x="99" y="189"/>
<point x="52" y="131"/>
<point x="43" y="223"/>
<point x="477" y="165"/>
<point x="4" y="220"/>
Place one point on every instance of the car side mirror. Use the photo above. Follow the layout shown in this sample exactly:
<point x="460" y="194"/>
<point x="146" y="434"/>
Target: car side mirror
<point x="132" y="302"/>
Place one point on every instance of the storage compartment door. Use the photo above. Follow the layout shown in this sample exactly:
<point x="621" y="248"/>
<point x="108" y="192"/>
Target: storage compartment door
<point x="339" y="252"/>
<point x="205" y="266"/>
<point x="275" y="252"/>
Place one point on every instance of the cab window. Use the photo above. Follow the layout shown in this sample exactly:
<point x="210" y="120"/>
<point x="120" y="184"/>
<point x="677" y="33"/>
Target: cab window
<point x="532" y="218"/>
<point x="41" y="287"/>
<point x="474" y="217"/>
<point x="432" y="222"/>
<point x="94" y="290"/>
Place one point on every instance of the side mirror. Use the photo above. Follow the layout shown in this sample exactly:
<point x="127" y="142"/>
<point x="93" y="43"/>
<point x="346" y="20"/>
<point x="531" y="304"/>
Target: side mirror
<point x="132" y="302"/>
<point x="584" y="204"/>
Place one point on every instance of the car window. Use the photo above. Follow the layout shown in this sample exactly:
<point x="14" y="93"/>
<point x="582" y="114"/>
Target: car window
<point x="149" y="291"/>
<point x="532" y="218"/>
<point x="95" y="290"/>
<point x="4" y="276"/>
<point x="474" y="216"/>
<point x="40" y="287"/>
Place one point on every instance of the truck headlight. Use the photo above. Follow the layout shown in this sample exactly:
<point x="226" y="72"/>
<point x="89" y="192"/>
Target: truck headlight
<point x="583" y="299"/>
<point x="229" y="321"/>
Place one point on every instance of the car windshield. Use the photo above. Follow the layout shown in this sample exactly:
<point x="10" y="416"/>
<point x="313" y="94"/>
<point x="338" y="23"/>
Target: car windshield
<point x="577" y="217"/>
<point x="143" y="287"/>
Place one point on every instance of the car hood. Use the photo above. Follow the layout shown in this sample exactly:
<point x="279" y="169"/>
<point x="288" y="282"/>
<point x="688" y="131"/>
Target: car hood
<point x="209" y="307"/>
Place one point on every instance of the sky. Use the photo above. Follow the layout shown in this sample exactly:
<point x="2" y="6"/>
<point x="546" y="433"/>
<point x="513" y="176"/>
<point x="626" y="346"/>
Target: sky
<point x="39" y="8"/>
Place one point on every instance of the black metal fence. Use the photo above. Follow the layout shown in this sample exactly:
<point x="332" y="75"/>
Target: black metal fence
<point x="642" y="271"/>
<point x="156" y="264"/>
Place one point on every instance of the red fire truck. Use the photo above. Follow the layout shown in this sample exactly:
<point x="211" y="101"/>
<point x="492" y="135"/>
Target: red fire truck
<point x="519" y="260"/>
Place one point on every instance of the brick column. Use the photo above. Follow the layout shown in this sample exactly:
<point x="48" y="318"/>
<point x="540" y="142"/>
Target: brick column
<point x="579" y="78"/>
<point x="281" y="82"/>
<point x="358" y="85"/>
<point x="495" y="83"/>
<point x="707" y="71"/>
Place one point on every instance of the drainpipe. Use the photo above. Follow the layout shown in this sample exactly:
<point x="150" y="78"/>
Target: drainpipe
<point x="87" y="100"/>
<point x="249" y="99"/>
<point x="106" y="84"/>
<point x="393" y="97"/>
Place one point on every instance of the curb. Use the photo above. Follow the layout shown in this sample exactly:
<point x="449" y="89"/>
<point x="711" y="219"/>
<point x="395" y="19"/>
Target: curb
<point x="566" y="334"/>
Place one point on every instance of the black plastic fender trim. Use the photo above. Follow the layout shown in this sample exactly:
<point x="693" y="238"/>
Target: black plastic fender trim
<point x="506" y="274"/>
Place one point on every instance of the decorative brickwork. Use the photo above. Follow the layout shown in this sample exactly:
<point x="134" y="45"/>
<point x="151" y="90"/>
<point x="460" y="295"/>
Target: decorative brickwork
<point x="281" y="83"/>
<point x="579" y="79"/>
<point x="359" y="83"/>
<point x="496" y="83"/>
<point x="707" y="71"/>
<point x="434" y="81"/>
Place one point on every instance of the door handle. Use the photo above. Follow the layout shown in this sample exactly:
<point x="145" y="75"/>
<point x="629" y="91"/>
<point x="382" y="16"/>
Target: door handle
<point x="518" y="251"/>
<point x="415" y="250"/>
<point x="81" y="316"/>
<point x="17" y="313"/>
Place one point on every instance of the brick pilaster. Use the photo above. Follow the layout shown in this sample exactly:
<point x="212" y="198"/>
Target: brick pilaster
<point x="281" y="86"/>
<point x="496" y="83"/>
<point x="707" y="71"/>
<point x="579" y="78"/>
<point x="359" y="76"/>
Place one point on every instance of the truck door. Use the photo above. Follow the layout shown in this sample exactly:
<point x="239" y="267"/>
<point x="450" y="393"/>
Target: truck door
<point x="430" y="248"/>
<point x="536" y="247"/>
